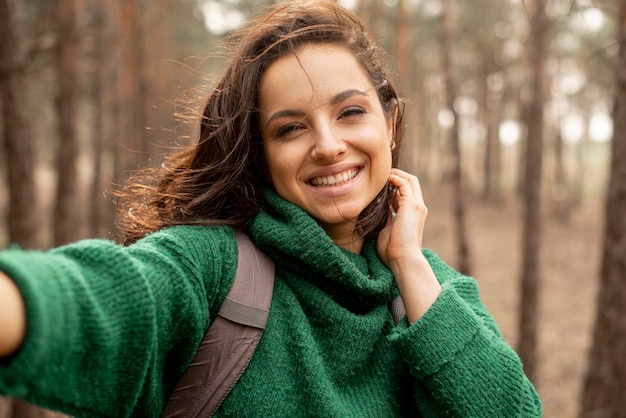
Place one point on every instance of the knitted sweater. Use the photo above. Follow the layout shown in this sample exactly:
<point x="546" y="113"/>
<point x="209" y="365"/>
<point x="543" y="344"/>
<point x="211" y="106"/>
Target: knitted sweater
<point x="111" y="328"/>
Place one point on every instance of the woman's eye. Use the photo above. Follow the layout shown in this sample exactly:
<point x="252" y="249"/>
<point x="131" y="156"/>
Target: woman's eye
<point x="287" y="129"/>
<point x="352" y="111"/>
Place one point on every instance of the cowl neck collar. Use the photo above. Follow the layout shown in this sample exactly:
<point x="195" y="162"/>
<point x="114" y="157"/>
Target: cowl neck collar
<point x="300" y="246"/>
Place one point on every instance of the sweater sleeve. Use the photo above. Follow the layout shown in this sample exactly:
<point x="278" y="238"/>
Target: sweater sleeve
<point x="460" y="363"/>
<point x="107" y="325"/>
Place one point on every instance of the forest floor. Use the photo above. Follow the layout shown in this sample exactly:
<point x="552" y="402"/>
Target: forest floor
<point x="569" y="273"/>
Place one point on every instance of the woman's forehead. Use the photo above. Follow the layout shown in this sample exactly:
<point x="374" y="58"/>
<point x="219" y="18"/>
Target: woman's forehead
<point x="314" y="71"/>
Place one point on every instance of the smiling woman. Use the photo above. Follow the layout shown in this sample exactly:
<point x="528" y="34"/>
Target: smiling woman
<point x="297" y="147"/>
<point x="327" y="140"/>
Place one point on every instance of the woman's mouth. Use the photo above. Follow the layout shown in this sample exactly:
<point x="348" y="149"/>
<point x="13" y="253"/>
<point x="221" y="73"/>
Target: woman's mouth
<point x="336" y="179"/>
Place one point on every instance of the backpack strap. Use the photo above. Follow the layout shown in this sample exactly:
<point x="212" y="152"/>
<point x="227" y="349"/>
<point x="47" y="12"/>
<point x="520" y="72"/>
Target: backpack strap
<point x="231" y="340"/>
<point x="397" y="309"/>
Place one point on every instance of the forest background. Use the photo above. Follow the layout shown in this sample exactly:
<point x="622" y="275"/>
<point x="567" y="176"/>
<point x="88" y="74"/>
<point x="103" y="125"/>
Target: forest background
<point x="511" y="122"/>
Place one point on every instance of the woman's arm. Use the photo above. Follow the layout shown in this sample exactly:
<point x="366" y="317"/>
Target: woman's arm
<point x="399" y="245"/>
<point x="109" y="329"/>
<point x="461" y="364"/>
<point x="12" y="317"/>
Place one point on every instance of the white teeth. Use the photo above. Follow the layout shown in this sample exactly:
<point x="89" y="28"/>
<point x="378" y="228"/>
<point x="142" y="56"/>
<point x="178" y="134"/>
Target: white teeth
<point x="336" y="179"/>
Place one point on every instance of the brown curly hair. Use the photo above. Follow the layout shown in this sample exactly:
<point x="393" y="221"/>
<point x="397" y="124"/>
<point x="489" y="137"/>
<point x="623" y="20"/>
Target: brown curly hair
<point x="219" y="179"/>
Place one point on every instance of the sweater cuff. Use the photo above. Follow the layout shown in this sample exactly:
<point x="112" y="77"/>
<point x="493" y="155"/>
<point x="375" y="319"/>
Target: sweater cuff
<point x="436" y="338"/>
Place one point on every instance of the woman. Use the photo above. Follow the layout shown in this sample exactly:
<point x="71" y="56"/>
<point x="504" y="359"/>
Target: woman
<point x="296" y="146"/>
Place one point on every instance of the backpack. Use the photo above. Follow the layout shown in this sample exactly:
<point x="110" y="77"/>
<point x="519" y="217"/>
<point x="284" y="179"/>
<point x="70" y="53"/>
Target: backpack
<point x="230" y="342"/>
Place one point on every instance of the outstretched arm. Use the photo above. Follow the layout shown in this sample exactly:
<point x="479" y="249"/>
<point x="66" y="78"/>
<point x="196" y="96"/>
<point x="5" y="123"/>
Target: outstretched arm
<point x="12" y="317"/>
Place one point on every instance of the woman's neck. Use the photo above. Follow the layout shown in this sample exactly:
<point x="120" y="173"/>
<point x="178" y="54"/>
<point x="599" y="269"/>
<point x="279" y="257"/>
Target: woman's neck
<point x="345" y="236"/>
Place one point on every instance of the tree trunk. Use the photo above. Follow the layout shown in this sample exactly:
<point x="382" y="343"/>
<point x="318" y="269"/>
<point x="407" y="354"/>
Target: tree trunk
<point x="156" y="79"/>
<point x="529" y="281"/>
<point x="403" y="57"/>
<point x="403" y="46"/>
<point x="102" y="213"/>
<point x="604" y="393"/>
<point x="67" y="212"/>
<point x="421" y="137"/>
<point x="453" y="140"/>
<point x="127" y="152"/>
<point x="18" y="140"/>
<point x="560" y="189"/>
<point x="493" y="116"/>
<point x="377" y="9"/>
<point x="580" y="168"/>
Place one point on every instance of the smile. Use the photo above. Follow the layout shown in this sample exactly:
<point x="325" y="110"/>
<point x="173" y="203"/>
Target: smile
<point x="336" y="179"/>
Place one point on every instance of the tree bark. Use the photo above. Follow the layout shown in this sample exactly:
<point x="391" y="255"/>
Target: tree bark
<point x="67" y="213"/>
<point x="128" y="150"/>
<point x="18" y="140"/>
<point x="604" y="393"/>
<point x="404" y="61"/>
<point x="493" y="117"/>
<point x="403" y="46"/>
<point x="102" y="213"/>
<point x="529" y="281"/>
<point x="560" y="188"/>
<point x="463" y="256"/>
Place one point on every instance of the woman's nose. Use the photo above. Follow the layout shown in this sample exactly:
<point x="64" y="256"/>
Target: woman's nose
<point x="328" y="145"/>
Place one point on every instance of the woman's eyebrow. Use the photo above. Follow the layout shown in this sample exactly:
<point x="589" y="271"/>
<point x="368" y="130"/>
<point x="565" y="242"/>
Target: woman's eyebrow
<point x="338" y="98"/>
<point x="284" y="113"/>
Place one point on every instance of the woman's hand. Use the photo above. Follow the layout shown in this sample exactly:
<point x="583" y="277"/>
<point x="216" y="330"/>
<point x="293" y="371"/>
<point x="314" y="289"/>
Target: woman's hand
<point x="399" y="245"/>
<point x="12" y="317"/>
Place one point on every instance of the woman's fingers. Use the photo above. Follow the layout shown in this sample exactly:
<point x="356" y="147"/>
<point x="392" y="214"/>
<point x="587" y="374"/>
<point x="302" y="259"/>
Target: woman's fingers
<point x="403" y="235"/>
<point x="407" y="186"/>
<point x="408" y="200"/>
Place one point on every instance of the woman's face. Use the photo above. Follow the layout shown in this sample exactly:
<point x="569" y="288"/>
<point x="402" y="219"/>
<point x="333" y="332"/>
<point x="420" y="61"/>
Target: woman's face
<point x="326" y="138"/>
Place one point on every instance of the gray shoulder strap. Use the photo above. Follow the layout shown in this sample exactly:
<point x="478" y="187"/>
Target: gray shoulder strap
<point x="397" y="309"/>
<point x="229" y="344"/>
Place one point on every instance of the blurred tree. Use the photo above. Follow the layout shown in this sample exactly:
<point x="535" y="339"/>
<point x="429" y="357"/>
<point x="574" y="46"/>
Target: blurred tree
<point x="18" y="138"/>
<point x="130" y="151"/>
<point x="484" y="39"/>
<point x="475" y="60"/>
<point x="493" y="99"/>
<point x="560" y="199"/>
<point x="156" y="80"/>
<point x="528" y="321"/>
<point x="403" y="65"/>
<point x="403" y="46"/>
<point x="67" y="214"/>
<point x="559" y="188"/>
<point x="604" y="393"/>
<point x="106" y="63"/>
<point x="372" y="12"/>
<point x="455" y="172"/>
<point x="583" y="84"/>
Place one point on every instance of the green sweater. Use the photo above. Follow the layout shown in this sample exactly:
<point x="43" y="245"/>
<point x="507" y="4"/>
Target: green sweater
<point x="111" y="328"/>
